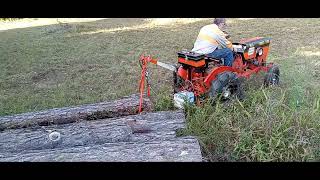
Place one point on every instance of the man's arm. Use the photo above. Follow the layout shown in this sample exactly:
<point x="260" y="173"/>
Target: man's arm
<point x="226" y="35"/>
<point x="224" y="40"/>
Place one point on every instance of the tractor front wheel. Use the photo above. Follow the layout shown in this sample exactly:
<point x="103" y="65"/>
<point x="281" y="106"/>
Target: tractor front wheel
<point x="178" y="83"/>
<point x="226" y="87"/>
<point x="272" y="77"/>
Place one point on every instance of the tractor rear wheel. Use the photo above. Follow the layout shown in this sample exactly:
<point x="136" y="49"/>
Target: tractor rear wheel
<point x="226" y="87"/>
<point x="272" y="77"/>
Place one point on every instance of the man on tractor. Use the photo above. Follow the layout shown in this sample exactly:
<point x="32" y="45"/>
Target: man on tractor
<point x="213" y="42"/>
<point x="198" y="75"/>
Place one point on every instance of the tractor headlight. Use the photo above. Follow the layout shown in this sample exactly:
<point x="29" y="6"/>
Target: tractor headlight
<point x="260" y="52"/>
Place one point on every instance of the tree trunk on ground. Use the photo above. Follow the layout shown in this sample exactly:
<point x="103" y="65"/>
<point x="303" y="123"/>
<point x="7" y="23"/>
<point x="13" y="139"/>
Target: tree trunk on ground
<point x="178" y="149"/>
<point x="153" y="127"/>
<point x="126" y="106"/>
<point x="95" y="132"/>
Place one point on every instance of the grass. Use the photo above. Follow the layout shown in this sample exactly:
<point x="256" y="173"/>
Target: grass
<point x="65" y="63"/>
<point x="261" y="128"/>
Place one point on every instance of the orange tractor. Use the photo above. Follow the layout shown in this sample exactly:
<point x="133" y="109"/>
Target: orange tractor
<point x="202" y="77"/>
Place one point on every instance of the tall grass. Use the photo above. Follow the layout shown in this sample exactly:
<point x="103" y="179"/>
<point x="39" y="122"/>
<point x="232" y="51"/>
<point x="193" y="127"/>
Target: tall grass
<point x="263" y="127"/>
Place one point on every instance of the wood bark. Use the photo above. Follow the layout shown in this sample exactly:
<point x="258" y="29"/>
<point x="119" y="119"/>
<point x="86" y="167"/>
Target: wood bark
<point x="174" y="150"/>
<point x="108" y="131"/>
<point x="155" y="126"/>
<point x="123" y="107"/>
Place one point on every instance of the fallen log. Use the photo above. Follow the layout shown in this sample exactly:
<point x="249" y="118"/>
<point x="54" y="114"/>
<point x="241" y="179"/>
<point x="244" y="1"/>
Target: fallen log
<point x="123" y="107"/>
<point x="178" y="149"/>
<point x="158" y="126"/>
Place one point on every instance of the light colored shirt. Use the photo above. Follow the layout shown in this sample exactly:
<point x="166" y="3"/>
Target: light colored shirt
<point x="209" y="39"/>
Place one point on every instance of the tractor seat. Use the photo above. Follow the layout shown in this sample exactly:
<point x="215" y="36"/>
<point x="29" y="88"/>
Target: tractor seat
<point x="211" y="59"/>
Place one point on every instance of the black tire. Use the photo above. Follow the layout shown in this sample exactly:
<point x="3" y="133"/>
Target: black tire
<point x="226" y="82"/>
<point x="272" y="77"/>
<point x="178" y="82"/>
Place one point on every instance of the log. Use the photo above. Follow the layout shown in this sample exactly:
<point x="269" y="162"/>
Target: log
<point x="158" y="125"/>
<point x="174" y="150"/>
<point x="123" y="107"/>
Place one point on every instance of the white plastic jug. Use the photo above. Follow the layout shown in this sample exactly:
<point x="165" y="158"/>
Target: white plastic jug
<point x="181" y="98"/>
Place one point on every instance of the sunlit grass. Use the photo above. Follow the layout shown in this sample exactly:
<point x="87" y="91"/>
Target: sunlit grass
<point x="149" y="23"/>
<point x="35" y="22"/>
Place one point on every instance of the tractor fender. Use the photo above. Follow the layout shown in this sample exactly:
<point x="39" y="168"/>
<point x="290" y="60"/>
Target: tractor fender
<point x="182" y="72"/>
<point x="217" y="70"/>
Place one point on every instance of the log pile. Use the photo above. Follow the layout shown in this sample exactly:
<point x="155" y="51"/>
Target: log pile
<point x="97" y="132"/>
